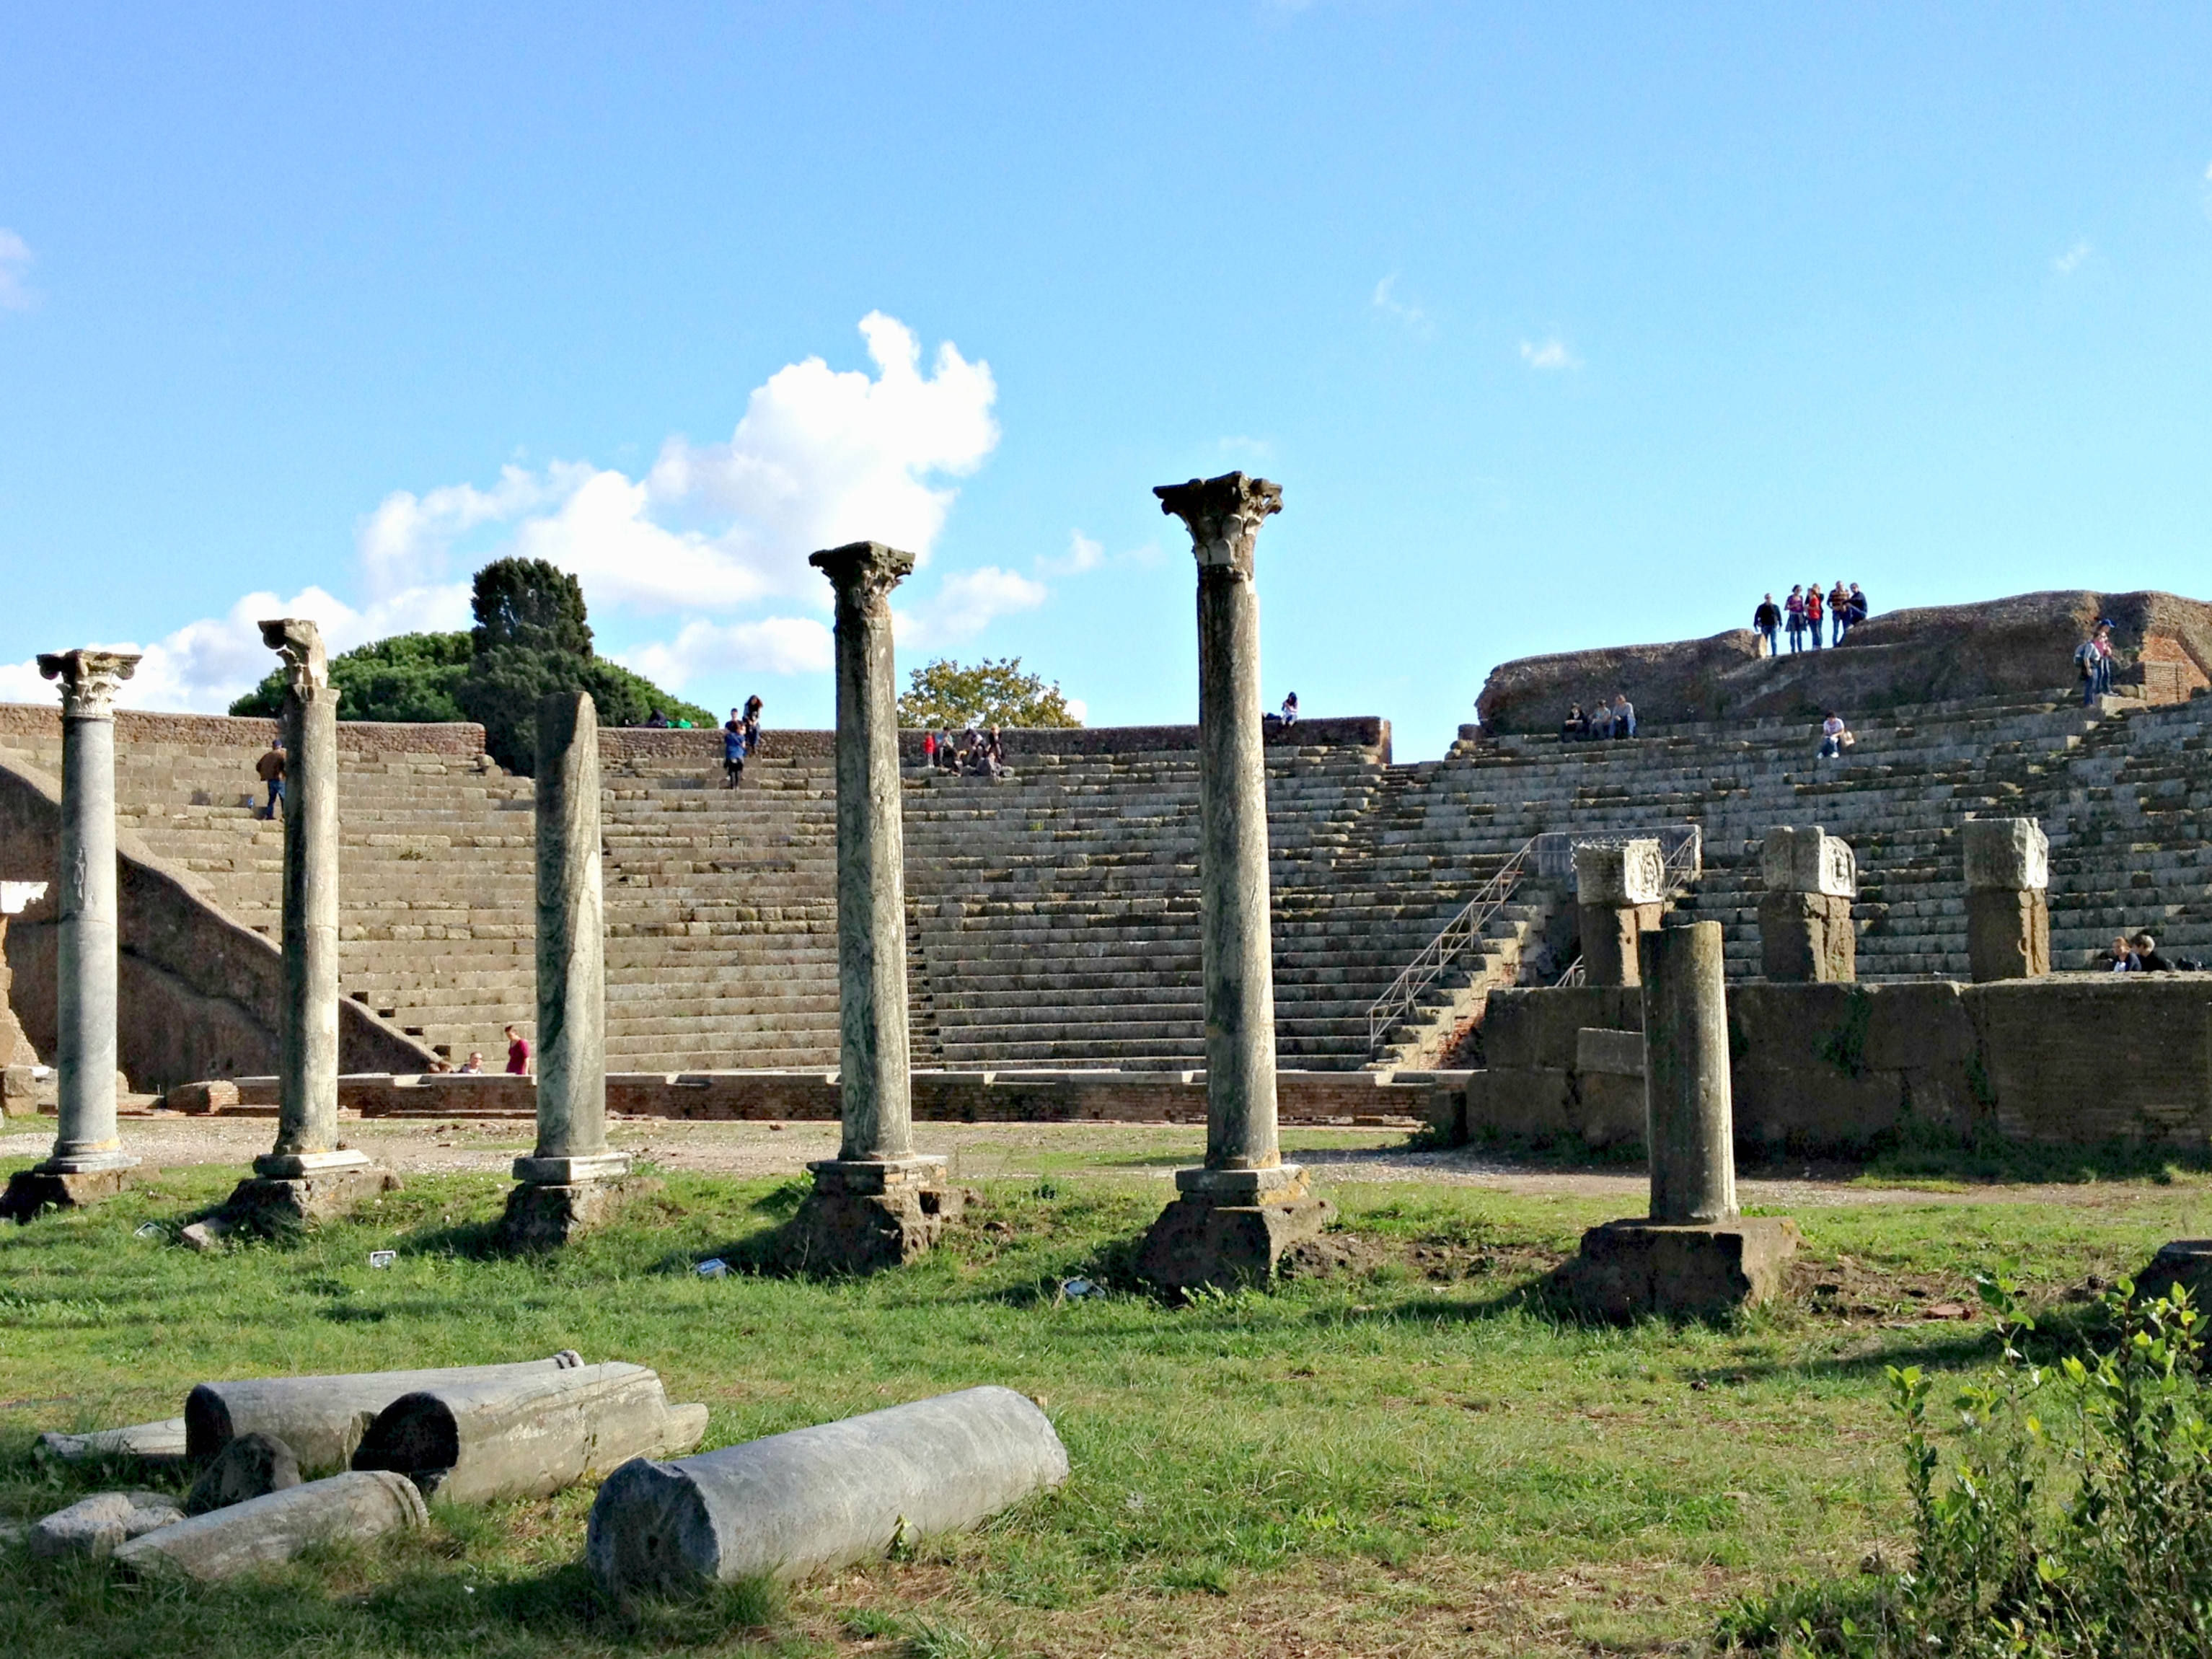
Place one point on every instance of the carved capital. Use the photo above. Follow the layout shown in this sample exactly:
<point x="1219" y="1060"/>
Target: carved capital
<point x="300" y="643"/>
<point x="863" y="571"/>
<point x="1223" y="515"/>
<point x="89" y="680"/>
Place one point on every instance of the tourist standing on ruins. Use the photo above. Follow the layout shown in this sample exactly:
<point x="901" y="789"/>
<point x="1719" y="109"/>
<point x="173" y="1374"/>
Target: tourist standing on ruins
<point x="1839" y="611"/>
<point x="1794" y="608"/>
<point x="518" y="1053"/>
<point x="1813" y="610"/>
<point x="733" y="750"/>
<point x="1767" y="620"/>
<point x="1623" y="715"/>
<point x="929" y="752"/>
<point x="2092" y="658"/>
<point x="1835" y="737"/>
<point x="269" y="769"/>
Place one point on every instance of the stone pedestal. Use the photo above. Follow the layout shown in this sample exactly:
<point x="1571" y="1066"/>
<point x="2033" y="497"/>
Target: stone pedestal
<point x="1698" y="1269"/>
<point x="1620" y="891"/>
<point x="877" y="1204"/>
<point x="1805" y="918"/>
<point x="273" y="1204"/>
<point x="87" y="1144"/>
<point x="2007" y="871"/>
<point x="865" y="1215"/>
<point x="1227" y="1228"/>
<point x="1235" y="1215"/>
<point x="571" y="1182"/>
<point x="1694" y="1255"/>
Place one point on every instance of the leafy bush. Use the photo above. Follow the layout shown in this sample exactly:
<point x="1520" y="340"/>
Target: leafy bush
<point x="409" y="677"/>
<point x="946" y="694"/>
<point x="2075" y="1515"/>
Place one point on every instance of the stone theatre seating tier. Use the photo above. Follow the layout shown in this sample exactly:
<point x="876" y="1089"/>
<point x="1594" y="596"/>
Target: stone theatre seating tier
<point x="1053" y="915"/>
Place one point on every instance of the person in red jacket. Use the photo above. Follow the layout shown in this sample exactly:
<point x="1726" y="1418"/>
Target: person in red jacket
<point x="518" y="1053"/>
<point x="1813" y="611"/>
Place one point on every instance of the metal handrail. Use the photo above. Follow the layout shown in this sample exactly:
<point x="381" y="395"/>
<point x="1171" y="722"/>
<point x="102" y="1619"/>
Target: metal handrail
<point x="1682" y="850"/>
<point x="1575" y="974"/>
<point x="1438" y="953"/>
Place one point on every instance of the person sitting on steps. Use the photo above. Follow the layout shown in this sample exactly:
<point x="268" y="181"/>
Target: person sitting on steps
<point x="2147" y="957"/>
<point x="1290" y="710"/>
<point x="1576" y="726"/>
<point x="1835" y="737"/>
<point x="2120" y="959"/>
<point x="1623" y="715"/>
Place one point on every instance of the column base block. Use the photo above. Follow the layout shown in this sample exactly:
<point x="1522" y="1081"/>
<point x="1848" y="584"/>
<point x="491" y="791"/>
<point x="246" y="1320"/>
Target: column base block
<point x="863" y="1217"/>
<point x="1201" y="1239"/>
<point x="270" y="1204"/>
<point x="546" y="1215"/>
<point x="30" y="1191"/>
<point x="308" y="1166"/>
<point x="1698" y="1269"/>
<point x="536" y="1171"/>
<point x="2186" y="1262"/>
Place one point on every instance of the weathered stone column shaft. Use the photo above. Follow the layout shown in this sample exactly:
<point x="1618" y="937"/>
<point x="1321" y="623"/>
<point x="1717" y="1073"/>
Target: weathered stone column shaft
<point x="873" y="1082"/>
<point x="572" y="1000"/>
<point x="86" y="1000"/>
<point x="307" y="1045"/>
<point x="1224" y="516"/>
<point x="1689" y="1120"/>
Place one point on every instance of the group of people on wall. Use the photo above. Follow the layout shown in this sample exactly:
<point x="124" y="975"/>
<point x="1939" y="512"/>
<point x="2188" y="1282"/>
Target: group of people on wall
<point x="1804" y="614"/>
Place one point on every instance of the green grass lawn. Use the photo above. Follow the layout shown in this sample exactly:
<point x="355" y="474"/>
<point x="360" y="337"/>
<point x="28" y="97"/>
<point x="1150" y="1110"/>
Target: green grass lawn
<point x="1413" y="1459"/>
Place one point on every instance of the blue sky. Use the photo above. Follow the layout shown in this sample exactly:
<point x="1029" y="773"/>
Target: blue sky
<point x="1560" y="325"/>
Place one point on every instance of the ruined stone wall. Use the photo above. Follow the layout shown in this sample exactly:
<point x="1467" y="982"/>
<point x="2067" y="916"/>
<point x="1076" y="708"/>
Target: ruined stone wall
<point x="2071" y="1061"/>
<point x="2003" y="648"/>
<point x="198" y="993"/>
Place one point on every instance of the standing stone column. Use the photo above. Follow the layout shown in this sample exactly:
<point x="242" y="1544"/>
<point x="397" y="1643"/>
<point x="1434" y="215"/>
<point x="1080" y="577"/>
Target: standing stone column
<point x="308" y="1175"/>
<point x="2008" y="863"/>
<point x="87" y="1162"/>
<point x="1237" y="1213"/>
<point x="571" y="1183"/>
<point x="1695" y="1253"/>
<point x="1620" y="891"/>
<point x="1805" y="928"/>
<point x="878" y="1203"/>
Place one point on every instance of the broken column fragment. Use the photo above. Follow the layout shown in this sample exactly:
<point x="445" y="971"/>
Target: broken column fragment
<point x="477" y="1440"/>
<point x="251" y="1466"/>
<point x="323" y="1418"/>
<point x="88" y="1163"/>
<point x="346" y="1508"/>
<point x="2008" y="870"/>
<point x="879" y="1203"/>
<point x="99" y="1525"/>
<point x="160" y="1444"/>
<point x="1620" y="891"/>
<point x="571" y="1183"/>
<point x="821" y="1498"/>
<point x="1805" y="930"/>
<point x="1236" y="1214"/>
<point x="1696" y="1253"/>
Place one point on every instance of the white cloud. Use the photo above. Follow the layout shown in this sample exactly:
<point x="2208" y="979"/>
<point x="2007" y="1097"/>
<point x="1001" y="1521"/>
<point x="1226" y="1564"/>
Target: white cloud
<point x="206" y="665"/>
<point x="15" y="261"/>
<point x="774" y="645"/>
<point x="1552" y="354"/>
<point x="965" y="604"/>
<point x="2067" y="263"/>
<point x="1083" y="554"/>
<point x="819" y="458"/>
<point x="1386" y="301"/>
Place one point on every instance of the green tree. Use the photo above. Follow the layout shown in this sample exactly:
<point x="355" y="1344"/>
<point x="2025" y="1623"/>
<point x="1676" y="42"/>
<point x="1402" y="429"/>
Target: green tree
<point x="409" y="677"/>
<point x="532" y="604"/>
<point x="531" y="638"/>
<point x="944" y="693"/>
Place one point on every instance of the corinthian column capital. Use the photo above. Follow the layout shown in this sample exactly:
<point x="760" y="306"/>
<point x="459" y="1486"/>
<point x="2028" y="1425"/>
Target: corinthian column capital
<point x="300" y="643"/>
<point x="89" y="679"/>
<point x="863" y="571"/>
<point x="1223" y="515"/>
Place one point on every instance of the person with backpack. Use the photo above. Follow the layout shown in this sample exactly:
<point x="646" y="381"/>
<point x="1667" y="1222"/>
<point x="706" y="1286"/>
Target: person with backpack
<point x="734" y="748"/>
<point x="1794" y="609"/>
<point x="1767" y="621"/>
<point x="2093" y="661"/>
<point x="1813" y="612"/>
